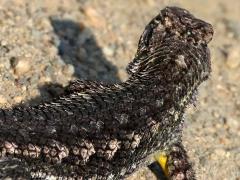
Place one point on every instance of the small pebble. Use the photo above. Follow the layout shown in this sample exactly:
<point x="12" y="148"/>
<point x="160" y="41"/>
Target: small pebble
<point x="108" y="50"/>
<point x="220" y="152"/>
<point x="234" y="27"/>
<point x="233" y="58"/>
<point x="122" y="74"/>
<point x="3" y="43"/>
<point x="82" y="54"/>
<point x="3" y="100"/>
<point x="95" y="19"/>
<point x="84" y="36"/>
<point x="20" y="65"/>
<point x="68" y="70"/>
<point x="49" y="70"/>
<point x="18" y="99"/>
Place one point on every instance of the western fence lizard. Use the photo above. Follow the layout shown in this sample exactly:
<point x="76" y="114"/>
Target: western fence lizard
<point x="105" y="131"/>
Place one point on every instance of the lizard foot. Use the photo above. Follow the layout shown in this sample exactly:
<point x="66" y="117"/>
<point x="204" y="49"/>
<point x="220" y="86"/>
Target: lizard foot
<point x="161" y="159"/>
<point x="175" y="164"/>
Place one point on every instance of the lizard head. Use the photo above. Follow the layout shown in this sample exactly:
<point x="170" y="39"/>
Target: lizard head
<point x="176" y="23"/>
<point x="180" y="23"/>
<point x="172" y="24"/>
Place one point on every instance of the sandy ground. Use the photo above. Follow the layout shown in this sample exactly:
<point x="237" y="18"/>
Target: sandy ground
<point x="45" y="44"/>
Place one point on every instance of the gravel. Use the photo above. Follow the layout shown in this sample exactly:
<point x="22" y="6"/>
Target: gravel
<point x="45" y="44"/>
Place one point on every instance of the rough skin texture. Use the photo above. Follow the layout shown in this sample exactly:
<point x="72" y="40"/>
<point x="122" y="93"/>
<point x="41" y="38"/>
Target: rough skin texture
<point x="105" y="131"/>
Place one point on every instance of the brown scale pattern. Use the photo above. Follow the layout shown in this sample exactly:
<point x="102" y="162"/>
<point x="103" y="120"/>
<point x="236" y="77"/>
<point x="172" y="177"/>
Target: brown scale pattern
<point x="105" y="131"/>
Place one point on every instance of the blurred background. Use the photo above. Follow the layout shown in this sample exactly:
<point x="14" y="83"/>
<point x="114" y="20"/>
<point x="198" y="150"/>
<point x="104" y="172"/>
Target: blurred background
<point x="45" y="44"/>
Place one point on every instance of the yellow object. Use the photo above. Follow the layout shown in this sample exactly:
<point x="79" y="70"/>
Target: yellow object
<point x="162" y="158"/>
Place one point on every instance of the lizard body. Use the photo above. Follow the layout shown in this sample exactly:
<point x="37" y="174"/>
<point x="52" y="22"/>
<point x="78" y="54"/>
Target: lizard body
<point x="105" y="131"/>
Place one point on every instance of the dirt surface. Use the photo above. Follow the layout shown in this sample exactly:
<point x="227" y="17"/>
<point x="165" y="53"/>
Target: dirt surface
<point x="45" y="44"/>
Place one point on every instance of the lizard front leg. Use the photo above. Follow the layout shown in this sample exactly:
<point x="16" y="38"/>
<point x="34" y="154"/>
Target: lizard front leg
<point x="173" y="159"/>
<point x="175" y="163"/>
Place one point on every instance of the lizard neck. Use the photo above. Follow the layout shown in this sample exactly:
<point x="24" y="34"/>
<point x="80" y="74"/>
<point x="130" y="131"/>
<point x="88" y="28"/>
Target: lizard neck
<point x="162" y="97"/>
